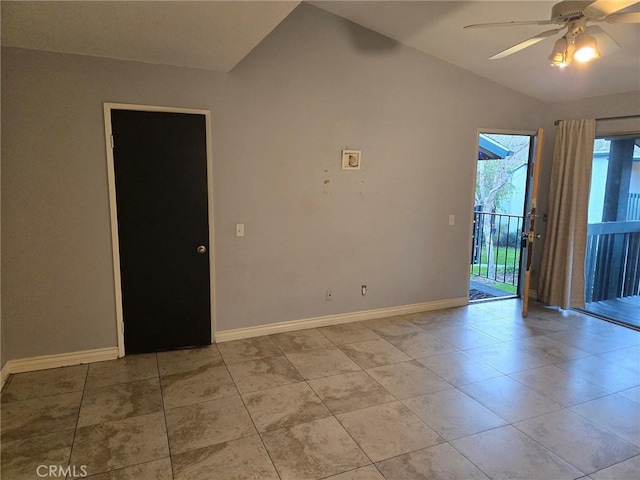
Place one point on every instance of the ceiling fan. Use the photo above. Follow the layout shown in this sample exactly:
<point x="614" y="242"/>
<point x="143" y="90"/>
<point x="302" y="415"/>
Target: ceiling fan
<point x="580" y="42"/>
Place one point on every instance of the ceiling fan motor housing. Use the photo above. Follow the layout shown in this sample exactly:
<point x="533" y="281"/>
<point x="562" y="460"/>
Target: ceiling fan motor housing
<point x="564" y="11"/>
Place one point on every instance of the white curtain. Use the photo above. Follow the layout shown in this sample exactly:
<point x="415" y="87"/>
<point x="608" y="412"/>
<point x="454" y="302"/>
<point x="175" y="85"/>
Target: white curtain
<point x="562" y="273"/>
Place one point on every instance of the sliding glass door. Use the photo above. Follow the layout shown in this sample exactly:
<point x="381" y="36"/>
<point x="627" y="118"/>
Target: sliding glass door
<point x="612" y="267"/>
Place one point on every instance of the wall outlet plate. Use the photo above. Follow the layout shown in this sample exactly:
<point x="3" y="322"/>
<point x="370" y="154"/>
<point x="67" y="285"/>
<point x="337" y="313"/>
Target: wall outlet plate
<point x="351" y="159"/>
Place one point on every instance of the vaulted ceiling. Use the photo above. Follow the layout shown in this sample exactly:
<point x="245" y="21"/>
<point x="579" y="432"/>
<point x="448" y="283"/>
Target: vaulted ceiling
<point x="217" y="35"/>
<point x="209" y="35"/>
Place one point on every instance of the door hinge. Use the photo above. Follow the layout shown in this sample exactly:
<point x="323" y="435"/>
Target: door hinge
<point x="122" y="327"/>
<point x="112" y="142"/>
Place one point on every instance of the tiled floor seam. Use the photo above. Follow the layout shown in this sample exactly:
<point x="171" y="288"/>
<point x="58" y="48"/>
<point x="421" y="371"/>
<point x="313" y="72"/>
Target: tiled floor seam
<point x="548" y="449"/>
<point x="75" y="430"/>
<point x="470" y="460"/>
<point x="604" y="427"/>
<point x="613" y="465"/>
<point x="354" y="440"/>
<point x="255" y="426"/>
<point x="164" y="415"/>
<point x="511" y="376"/>
<point x="564" y="459"/>
<point x="338" y="420"/>
<point x="347" y="431"/>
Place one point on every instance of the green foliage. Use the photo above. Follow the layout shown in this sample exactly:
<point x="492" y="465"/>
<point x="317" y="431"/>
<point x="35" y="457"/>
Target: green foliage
<point x="493" y="184"/>
<point x="511" y="255"/>
<point x="507" y="288"/>
<point x="506" y="261"/>
<point x="509" y="239"/>
<point x="493" y="178"/>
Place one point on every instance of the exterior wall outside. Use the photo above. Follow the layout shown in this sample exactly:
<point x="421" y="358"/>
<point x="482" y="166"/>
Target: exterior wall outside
<point x="635" y="178"/>
<point x="516" y="202"/>
<point x="598" y="186"/>
<point x="598" y="183"/>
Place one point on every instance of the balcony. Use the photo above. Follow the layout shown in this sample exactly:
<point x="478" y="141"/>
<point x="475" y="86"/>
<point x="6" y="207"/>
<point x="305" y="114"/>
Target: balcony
<point x="612" y="263"/>
<point x="495" y="255"/>
<point x="612" y="270"/>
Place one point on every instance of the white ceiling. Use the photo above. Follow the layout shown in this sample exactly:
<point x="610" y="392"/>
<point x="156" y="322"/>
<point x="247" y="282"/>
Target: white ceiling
<point x="209" y="35"/>
<point x="217" y="35"/>
<point x="436" y="28"/>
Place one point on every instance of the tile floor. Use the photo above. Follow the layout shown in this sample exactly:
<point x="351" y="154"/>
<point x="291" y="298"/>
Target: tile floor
<point x="467" y="393"/>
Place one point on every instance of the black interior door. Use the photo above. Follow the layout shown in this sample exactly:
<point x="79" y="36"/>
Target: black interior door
<point x="160" y="162"/>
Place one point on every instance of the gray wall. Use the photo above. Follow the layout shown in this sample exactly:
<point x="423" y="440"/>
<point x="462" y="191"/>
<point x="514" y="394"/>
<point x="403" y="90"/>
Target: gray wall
<point x="57" y="275"/>
<point x="607" y="106"/>
<point x="316" y="85"/>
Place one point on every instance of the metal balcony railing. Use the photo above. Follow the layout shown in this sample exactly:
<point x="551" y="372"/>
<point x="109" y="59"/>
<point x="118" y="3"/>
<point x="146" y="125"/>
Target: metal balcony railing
<point x="633" y="207"/>
<point x="496" y="249"/>
<point x="612" y="266"/>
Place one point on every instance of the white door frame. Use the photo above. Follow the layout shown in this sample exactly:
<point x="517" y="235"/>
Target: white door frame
<point x="113" y="207"/>
<point x="498" y="131"/>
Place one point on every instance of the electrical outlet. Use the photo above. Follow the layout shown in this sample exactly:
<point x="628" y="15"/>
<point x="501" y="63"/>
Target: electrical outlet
<point x="329" y="294"/>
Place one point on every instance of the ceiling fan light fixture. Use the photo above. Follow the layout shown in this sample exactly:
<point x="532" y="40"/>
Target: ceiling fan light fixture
<point x="561" y="54"/>
<point x="586" y="48"/>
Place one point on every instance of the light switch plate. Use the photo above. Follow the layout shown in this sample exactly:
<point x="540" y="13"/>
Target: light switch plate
<point x="351" y="159"/>
<point x="239" y="229"/>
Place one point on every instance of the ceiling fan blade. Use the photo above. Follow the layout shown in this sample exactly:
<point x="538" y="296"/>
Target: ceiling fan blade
<point x="606" y="43"/>
<point x="631" y="17"/>
<point x="602" y="8"/>
<point x="515" y="24"/>
<point x="525" y="44"/>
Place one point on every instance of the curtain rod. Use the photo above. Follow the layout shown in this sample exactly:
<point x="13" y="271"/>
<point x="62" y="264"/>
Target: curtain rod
<point x="557" y="122"/>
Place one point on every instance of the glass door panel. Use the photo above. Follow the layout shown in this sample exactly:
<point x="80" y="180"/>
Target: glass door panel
<point x="612" y="264"/>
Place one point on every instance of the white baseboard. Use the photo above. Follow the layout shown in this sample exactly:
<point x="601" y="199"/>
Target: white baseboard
<point x="44" y="362"/>
<point x="257" y="331"/>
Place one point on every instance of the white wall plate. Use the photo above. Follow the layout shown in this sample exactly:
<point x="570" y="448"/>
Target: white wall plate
<point x="351" y="159"/>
